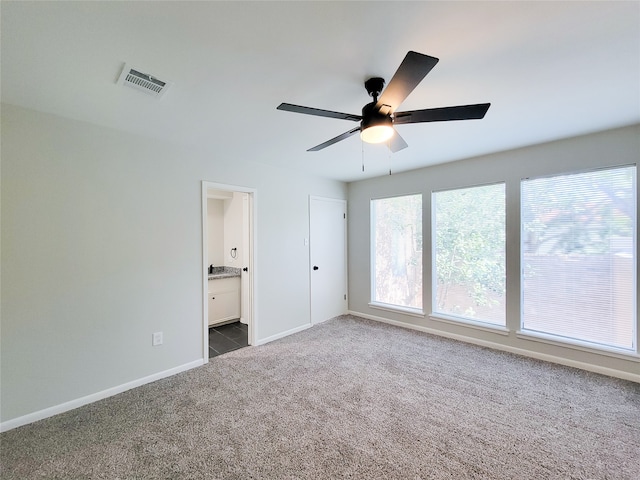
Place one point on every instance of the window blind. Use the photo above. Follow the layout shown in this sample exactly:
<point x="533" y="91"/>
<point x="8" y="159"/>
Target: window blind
<point x="579" y="257"/>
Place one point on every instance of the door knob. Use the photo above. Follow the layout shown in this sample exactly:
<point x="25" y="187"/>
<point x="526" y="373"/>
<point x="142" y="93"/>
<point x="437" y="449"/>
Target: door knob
<point x="245" y="269"/>
<point x="315" y="267"/>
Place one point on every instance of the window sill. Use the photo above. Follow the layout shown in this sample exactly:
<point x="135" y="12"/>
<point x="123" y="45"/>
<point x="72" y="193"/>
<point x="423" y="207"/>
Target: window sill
<point x="414" y="312"/>
<point x="486" y="327"/>
<point x="578" y="345"/>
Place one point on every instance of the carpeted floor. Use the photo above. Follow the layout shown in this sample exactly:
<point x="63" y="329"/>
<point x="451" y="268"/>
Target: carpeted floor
<point x="349" y="398"/>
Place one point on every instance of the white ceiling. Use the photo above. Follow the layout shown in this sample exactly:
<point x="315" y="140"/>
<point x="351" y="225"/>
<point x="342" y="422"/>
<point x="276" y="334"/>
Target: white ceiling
<point x="550" y="70"/>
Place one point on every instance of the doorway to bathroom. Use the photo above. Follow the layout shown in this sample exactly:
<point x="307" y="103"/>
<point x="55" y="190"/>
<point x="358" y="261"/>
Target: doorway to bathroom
<point x="228" y="233"/>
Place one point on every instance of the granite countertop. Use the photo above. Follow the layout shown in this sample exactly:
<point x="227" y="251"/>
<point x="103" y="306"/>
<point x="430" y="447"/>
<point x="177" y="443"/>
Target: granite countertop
<point x="224" y="272"/>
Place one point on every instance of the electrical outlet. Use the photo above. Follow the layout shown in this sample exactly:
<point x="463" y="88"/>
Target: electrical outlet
<point x="156" y="339"/>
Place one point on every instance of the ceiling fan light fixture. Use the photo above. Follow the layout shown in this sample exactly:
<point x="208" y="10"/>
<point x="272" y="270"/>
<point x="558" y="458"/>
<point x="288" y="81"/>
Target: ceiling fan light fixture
<point x="375" y="127"/>
<point x="379" y="117"/>
<point x="377" y="133"/>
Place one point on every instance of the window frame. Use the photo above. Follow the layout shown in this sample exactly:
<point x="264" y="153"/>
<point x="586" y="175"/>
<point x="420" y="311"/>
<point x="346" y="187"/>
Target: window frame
<point x="451" y="318"/>
<point x="569" y="342"/>
<point x="375" y="304"/>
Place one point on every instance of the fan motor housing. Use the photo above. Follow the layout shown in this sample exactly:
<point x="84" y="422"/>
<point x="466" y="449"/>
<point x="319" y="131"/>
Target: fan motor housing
<point x="371" y="117"/>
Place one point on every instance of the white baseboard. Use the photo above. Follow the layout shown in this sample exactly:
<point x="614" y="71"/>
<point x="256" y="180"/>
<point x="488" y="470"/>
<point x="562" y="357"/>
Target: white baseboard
<point x="262" y="341"/>
<point x="518" y="351"/>
<point x="94" y="397"/>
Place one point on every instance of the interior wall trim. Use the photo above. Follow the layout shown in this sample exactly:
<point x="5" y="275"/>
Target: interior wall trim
<point x="518" y="351"/>
<point x="94" y="397"/>
<point x="286" y="333"/>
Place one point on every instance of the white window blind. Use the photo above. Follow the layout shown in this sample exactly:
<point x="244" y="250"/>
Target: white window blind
<point x="469" y="253"/>
<point x="578" y="257"/>
<point x="396" y="251"/>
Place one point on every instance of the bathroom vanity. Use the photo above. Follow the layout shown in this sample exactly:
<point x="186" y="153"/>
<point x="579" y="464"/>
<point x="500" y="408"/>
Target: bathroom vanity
<point x="224" y="295"/>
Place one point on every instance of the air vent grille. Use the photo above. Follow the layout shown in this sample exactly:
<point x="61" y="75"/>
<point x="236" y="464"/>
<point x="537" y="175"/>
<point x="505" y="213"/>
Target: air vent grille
<point x="143" y="82"/>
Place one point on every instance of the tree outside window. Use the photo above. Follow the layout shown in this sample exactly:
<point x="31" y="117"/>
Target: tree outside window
<point x="397" y="251"/>
<point x="469" y="253"/>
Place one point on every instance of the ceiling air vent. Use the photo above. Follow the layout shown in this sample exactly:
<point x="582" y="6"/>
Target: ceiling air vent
<point x="143" y="82"/>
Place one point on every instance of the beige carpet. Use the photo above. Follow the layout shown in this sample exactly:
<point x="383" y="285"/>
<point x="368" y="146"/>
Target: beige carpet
<point x="349" y="398"/>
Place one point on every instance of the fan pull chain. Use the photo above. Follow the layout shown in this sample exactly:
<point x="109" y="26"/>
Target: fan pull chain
<point x="362" y="147"/>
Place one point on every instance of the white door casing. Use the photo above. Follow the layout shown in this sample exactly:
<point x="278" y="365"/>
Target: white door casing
<point x="245" y="308"/>
<point x="248" y="277"/>
<point x="327" y="254"/>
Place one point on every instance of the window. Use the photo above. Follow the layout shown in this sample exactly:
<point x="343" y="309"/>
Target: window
<point x="469" y="253"/>
<point x="396" y="252"/>
<point x="578" y="257"/>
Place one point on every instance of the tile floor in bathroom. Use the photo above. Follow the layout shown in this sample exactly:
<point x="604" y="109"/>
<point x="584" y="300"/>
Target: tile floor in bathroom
<point x="224" y="338"/>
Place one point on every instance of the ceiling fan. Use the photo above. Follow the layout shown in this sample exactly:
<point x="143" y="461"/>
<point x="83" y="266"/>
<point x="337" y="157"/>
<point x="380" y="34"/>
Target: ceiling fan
<point x="379" y="117"/>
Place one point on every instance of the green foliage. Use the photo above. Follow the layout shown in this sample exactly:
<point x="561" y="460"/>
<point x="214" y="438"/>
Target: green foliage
<point x="470" y="243"/>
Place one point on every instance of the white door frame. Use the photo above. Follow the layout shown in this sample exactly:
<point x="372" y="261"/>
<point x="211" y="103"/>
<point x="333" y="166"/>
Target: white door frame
<point x="252" y="319"/>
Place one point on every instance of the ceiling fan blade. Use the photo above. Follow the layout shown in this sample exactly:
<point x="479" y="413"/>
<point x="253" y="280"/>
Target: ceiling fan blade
<point x="334" y="140"/>
<point x="397" y="143"/>
<point x="410" y="73"/>
<point x="462" y="112"/>
<point x="288" y="107"/>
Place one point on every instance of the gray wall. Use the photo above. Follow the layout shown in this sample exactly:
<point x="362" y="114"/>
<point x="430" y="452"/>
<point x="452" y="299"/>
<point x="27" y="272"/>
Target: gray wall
<point x="102" y="246"/>
<point x="616" y="147"/>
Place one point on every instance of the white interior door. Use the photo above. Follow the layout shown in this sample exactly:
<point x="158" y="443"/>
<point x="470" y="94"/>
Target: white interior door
<point x="328" y="269"/>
